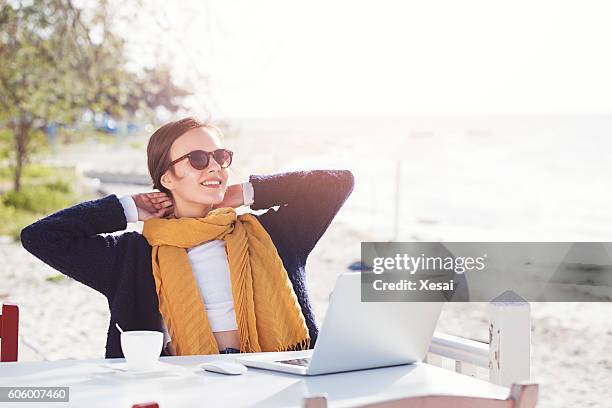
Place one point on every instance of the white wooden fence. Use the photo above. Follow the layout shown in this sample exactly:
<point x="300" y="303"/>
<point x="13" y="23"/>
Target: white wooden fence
<point x="507" y="356"/>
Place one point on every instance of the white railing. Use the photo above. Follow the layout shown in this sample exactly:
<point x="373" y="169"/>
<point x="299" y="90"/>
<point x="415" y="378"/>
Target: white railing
<point x="507" y="356"/>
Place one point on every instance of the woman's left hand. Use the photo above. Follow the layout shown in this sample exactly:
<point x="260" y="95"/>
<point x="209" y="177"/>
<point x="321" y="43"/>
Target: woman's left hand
<point x="233" y="197"/>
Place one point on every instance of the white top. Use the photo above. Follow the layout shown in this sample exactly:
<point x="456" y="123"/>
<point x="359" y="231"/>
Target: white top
<point x="211" y="269"/>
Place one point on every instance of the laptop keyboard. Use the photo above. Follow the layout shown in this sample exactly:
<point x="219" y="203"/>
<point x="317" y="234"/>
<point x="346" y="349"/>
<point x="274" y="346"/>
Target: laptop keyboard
<point x="297" y="361"/>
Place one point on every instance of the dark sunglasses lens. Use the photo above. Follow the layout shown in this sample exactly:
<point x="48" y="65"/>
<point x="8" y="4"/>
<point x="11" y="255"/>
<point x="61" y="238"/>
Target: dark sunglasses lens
<point x="198" y="159"/>
<point x="223" y="157"/>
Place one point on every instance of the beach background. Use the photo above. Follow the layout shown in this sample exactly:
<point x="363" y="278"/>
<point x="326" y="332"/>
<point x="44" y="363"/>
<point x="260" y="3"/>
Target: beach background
<point x="471" y="178"/>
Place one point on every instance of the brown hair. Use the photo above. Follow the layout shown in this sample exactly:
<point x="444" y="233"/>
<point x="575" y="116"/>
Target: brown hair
<point x="158" y="149"/>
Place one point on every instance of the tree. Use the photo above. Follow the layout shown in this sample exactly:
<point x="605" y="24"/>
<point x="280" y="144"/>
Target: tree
<point x="154" y="88"/>
<point x="59" y="59"/>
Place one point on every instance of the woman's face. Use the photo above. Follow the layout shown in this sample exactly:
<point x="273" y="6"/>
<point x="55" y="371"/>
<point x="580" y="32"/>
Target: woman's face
<point x="186" y="182"/>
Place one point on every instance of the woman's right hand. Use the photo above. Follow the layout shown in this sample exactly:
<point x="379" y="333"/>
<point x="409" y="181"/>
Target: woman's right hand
<point x="153" y="205"/>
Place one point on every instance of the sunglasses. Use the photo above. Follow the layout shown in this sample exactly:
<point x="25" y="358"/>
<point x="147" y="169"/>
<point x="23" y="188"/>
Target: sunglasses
<point x="200" y="159"/>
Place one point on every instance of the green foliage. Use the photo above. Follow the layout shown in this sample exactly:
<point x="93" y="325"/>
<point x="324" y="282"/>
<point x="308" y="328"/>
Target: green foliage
<point x="63" y="59"/>
<point x="34" y="172"/>
<point x="59" y="59"/>
<point x="137" y="145"/>
<point x="46" y="190"/>
<point x="61" y="186"/>
<point x="37" y="199"/>
<point x="55" y="278"/>
<point x="12" y="220"/>
<point x="38" y="171"/>
<point x="6" y="139"/>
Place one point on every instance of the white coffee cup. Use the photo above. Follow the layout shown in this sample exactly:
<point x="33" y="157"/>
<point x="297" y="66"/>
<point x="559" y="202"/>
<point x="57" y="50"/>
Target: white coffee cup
<point x="141" y="348"/>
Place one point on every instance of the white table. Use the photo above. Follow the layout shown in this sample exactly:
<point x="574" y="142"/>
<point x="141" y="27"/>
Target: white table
<point x="181" y="383"/>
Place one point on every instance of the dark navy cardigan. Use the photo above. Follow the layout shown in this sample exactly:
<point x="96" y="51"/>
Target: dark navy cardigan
<point x="119" y="266"/>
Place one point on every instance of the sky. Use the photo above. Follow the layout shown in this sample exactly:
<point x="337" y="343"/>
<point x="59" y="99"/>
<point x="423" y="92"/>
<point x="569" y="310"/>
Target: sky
<point x="389" y="58"/>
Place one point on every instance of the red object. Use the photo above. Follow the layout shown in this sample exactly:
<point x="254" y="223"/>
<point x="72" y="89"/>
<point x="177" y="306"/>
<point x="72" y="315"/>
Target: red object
<point x="9" y="329"/>
<point x="146" y="405"/>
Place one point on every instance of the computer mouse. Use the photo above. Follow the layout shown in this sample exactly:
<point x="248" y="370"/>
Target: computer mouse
<point x="224" y="367"/>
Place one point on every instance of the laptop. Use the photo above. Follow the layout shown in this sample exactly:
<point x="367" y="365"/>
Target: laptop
<point x="358" y="335"/>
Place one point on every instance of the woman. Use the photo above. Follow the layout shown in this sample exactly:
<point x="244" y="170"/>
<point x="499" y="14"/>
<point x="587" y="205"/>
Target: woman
<point x="212" y="281"/>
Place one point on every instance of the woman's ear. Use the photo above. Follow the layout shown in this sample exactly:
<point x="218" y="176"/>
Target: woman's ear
<point x="167" y="181"/>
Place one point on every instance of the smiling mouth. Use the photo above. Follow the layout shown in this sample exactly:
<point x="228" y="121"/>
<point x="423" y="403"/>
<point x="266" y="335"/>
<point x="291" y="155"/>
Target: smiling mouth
<point x="212" y="184"/>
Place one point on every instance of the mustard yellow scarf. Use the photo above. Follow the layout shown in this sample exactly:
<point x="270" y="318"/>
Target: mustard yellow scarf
<point x="268" y="314"/>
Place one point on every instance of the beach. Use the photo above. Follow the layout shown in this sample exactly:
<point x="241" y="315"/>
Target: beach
<point x="421" y="179"/>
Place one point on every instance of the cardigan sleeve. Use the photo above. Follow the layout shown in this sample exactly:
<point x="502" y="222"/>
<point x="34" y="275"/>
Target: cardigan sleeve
<point x="69" y="241"/>
<point x="308" y="201"/>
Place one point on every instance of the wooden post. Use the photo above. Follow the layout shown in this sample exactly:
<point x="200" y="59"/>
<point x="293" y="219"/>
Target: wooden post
<point x="509" y="339"/>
